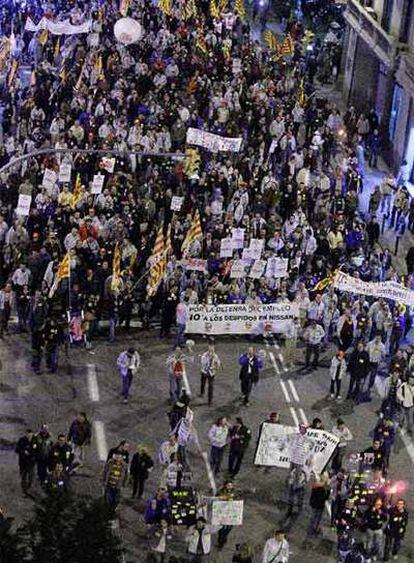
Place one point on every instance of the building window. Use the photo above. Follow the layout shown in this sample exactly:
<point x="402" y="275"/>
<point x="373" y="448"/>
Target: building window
<point x="386" y="14"/>
<point x="396" y="104"/>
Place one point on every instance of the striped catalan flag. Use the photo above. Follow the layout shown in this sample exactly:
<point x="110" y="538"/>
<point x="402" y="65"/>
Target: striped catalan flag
<point x="43" y="37"/>
<point x="287" y="46"/>
<point x="64" y="268"/>
<point x="270" y="39"/>
<point x="57" y="48"/>
<point x="116" y="269"/>
<point x="201" y="42"/>
<point x="301" y="96"/>
<point x="239" y="9"/>
<point x="165" y="6"/>
<point x="188" y="10"/>
<point x="99" y="68"/>
<point x="214" y="12"/>
<point x="12" y="72"/>
<point x="4" y="51"/>
<point x="158" y="264"/>
<point x="193" y="233"/>
<point x="63" y="74"/>
<point x="221" y="6"/>
<point x="77" y="191"/>
<point x="323" y="284"/>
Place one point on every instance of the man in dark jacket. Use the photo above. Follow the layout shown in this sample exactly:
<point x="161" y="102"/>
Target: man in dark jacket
<point x="395" y="529"/>
<point x="26" y="449"/>
<point x="239" y="440"/>
<point x="61" y="452"/>
<point x="374" y="520"/>
<point x="319" y="495"/>
<point x="358" y="367"/>
<point x="141" y="465"/>
<point x="80" y="435"/>
<point x="44" y="445"/>
<point x="251" y="364"/>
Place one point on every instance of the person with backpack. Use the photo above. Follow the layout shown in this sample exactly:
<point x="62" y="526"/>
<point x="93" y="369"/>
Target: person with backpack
<point x="114" y="478"/>
<point x="276" y="549"/>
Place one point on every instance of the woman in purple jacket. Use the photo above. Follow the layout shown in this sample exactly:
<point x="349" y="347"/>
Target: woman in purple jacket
<point x="251" y="364"/>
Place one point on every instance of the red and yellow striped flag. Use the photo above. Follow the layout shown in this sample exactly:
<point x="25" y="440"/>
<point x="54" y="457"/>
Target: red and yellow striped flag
<point x="43" y="37"/>
<point x="270" y="39"/>
<point x="57" y="48"/>
<point x="4" y="51"/>
<point x="12" y="72"/>
<point x="116" y="269"/>
<point x="99" y="68"/>
<point x="221" y="7"/>
<point x="193" y="233"/>
<point x="201" y="42"/>
<point x="301" y="96"/>
<point x="77" y="191"/>
<point x="239" y="8"/>
<point x="287" y="46"/>
<point x="64" y="268"/>
<point x="189" y="10"/>
<point x="322" y="284"/>
<point x="165" y="6"/>
<point x="214" y="9"/>
<point x="63" y="74"/>
<point x="158" y="263"/>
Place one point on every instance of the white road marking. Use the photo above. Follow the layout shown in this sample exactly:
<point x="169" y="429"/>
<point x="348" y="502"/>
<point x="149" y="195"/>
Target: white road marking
<point x="293" y="390"/>
<point x="303" y="417"/>
<point x="294" y="416"/>
<point x="186" y="384"/>
<point x="100" y="437"/>
<point x="328" y="508"/>
<point x="92" y="383"/>
<point x="274" y="363"/>
<point x="285" y="391"/>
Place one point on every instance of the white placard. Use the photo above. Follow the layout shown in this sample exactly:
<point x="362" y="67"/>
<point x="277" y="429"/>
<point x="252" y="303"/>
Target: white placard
<point x="108" y="164"/>
<point x="227" y="513"/>
<point x="23" y="205"/>
<point x="195" y="264"/>
<point x="387" y="290"/>
<point x="241" y="318"/>
<point x="238" y="269"/>
<point x="257" y="269"/>
<point x="49" y="179"/>
<point x="65" y="171"/>
<point x="275" y="445"/>
<point x="237" y="234"/>
<point x="176" y="203"/>
<point x="97" y="184"/>
<point x="226" y="248"/>
<point x="247" y="256"/>
<point x="237" y="66"/>
<point x="212" y="142"/>
<point x="256" y="248"/>
<point x="277" y="267"/>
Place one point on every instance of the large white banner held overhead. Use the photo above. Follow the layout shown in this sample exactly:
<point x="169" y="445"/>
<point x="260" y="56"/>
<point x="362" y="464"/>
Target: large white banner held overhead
<point x="387" y="290"/>
<point x="64" y="27"/>
<point x="212" y="142"/>
<point x="241" y="319"/>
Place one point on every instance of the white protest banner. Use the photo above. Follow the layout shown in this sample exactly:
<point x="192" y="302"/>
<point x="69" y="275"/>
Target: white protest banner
<point x="65" y="171"/>
<point x="387" y="290"/>
<point x="238" y="269"/>
<point x="275" y="445"/>
<point x="226" y="248"/>
<point x="241" y="318"/>
<point x="216" y="207"/>
<point x="247" y="256"/>
<point x="277" y="267"/>
<point x="237" y="234"/>
<point x="195" y="264"/>
<point x="108" y="164"/>
<point x="97" y="184"/>
<point x="227" y="512"/>
<point x="23" y="205"/>
<point x="176" y="203"/>
<point x="256" y="248"/>
<point x="237" y="66"/>
<point x="49" y="179"/>
<point x="212" y="142"/>
<point x="64" y="27"/>
<point x="257" y="269"/>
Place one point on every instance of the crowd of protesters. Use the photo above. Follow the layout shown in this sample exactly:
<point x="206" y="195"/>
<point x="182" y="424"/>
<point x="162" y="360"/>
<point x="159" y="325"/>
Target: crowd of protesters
<point x="297" y="183"/>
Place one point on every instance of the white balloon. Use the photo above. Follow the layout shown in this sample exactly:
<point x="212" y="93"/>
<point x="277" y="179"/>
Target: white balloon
<point x="127" y="31"/>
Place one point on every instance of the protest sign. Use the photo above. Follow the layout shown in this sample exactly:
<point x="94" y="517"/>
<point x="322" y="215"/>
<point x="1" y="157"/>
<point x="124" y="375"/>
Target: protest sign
<point x="97" y="184"/>
<point x="49" y="179"/>
<point x="65" y="171"/>
<point x="227" y="512"/>
<point x="237" y="66"/>
<point x="275" y="445"/>
<point x="277" y="267"/>
<point x="176" y="203"/>
<point x="257" y="269"/>
<point x="387" y="290"/>
<point x="247" y="256"/>
<point x="238" y="269"/>
<point x="212" y="142"/>
<point x="23" y="205"/>
<point x="196" y="264"/>
<point x="226" y="248"/>
<point x="237" y="234"/>
<point x="108" y="164"/>
<point x="256" y="248"/>
<point x="183" y="507"/>
<point x="241" y="318"/>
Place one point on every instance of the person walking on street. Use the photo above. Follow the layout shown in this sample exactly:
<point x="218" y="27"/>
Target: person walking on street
<point x="374" y="520"/>
<point x="128" y="363"/>
<point x="276" y="549"/>
<point x="240" y="437"/>
<point x="141" y="466"/>
<point x="344" y="435"/>
<point x="319" y="495"/>
<point x="251" y="364"/>
<point x="80" y="435"/>
<point x="199" y="539"/>
<point x="358" y="367"/>
<point x="337" y="372"/>
<point x="26" y="449"/>
<point x="175" y="366"/>
<point x="313" y="336"/>
<point x="217" y="436"/>
<point x="44" y="445"/>
<point x="114" y="478"/>
<point x="210" y="364"/>
<point x="405" y="397"/>
<point x="395" y="529"/>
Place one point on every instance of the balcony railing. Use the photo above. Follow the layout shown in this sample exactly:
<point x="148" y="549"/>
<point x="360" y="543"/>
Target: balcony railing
<point x="371" y="31"/>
